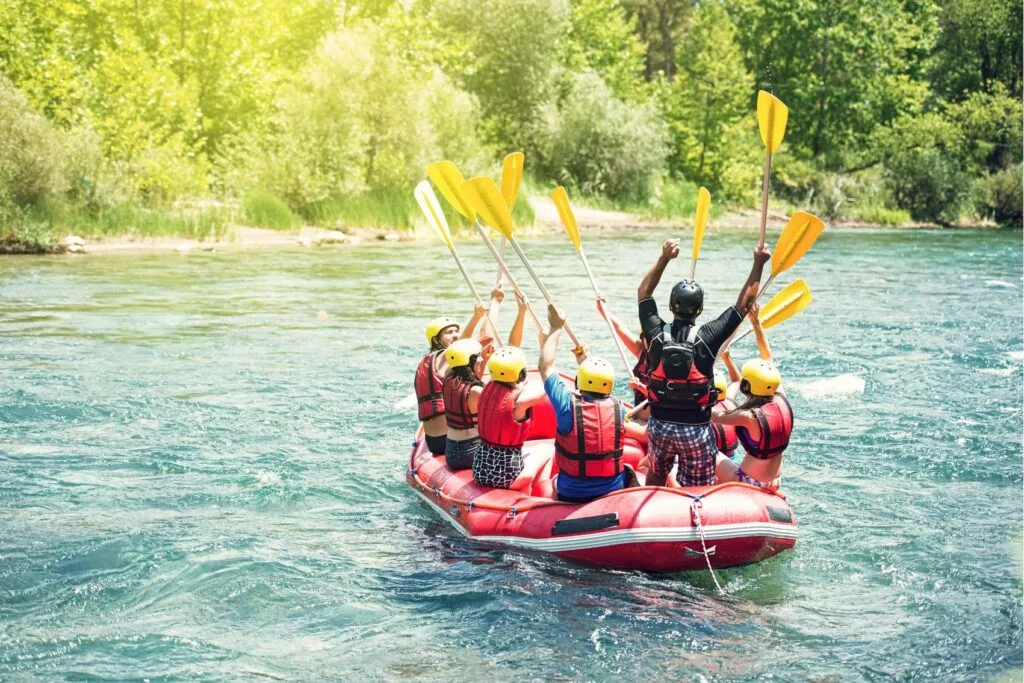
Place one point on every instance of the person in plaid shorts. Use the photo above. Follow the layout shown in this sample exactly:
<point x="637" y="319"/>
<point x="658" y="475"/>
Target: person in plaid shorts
<point x="681" y="359"/>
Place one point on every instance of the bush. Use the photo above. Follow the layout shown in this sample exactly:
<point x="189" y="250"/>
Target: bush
<point x="264" y="210"/>
<point x="880" y="215"/>
<point x="596" y="144"/>
<point x="928" y="183"/>
<point x="31" y="157"/>
<point x="1001" y="195"/>
<point x="673" y="199"/>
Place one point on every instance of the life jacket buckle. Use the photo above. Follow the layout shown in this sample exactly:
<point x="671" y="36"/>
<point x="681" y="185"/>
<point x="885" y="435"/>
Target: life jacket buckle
<point x="512" y="512"/>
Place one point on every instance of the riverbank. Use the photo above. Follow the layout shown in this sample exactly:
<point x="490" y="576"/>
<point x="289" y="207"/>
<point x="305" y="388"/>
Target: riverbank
<point x="546" y="222"/>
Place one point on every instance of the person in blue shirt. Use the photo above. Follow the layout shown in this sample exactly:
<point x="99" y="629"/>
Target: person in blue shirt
<point x="591" y="425"/>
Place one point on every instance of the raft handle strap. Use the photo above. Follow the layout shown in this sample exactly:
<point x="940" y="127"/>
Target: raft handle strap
<point x="696" y="506"/>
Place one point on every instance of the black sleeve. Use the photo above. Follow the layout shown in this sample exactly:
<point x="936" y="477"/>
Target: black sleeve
<point x="650" y="322"/>
<point x="718" y="331"/>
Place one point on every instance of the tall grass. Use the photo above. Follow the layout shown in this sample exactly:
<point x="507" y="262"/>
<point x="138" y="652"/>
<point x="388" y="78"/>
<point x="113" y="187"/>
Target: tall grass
<point x="264" y="210"/>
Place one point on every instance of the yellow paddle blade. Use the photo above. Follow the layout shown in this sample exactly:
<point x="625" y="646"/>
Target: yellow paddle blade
<point x="797" y="237"/>
<point x="431" y="208"/>
<point x="511" y="177"/>
<point x="700" y="221"/>
<point x="772" y="115"/>
<point x="448" y="178"/>
<point x="486" y="200"/>
<point x="561" y="199"/>
<point x="787" y="303"/>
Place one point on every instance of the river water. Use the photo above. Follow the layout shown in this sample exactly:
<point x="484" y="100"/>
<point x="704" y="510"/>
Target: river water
<point x="201" y="479"/>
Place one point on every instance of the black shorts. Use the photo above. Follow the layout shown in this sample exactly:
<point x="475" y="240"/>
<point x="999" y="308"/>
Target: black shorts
<point x="435" y="444"/>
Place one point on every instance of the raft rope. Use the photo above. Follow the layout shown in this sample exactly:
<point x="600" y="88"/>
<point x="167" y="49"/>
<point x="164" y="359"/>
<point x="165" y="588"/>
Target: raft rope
<point x="696" y="506"/>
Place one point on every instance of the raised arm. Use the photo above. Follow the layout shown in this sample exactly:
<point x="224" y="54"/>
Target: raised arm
<point x="548" y="349"/>
<point x="515" y="336"/>
<point x="493" y="308"/>
<point x="669" y="250"/>
<point x="749" y="292"/>
<point x="628" y="340"/>
<point x="532" y="393"/>
<point x="470" y="328"/>
<point x="762" y="341"/>
<point x="734" y="372"/>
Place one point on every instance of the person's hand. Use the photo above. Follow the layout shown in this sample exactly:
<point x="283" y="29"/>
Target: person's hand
<point x="479" y="310"/>
<point x="498" y="294"/>
<point x="670" y="249"/>
<point x="762" y="254"/>
<point x="555" y="319"/>
<point x="581" y="352"/>
<point x="600" y="305"/>
<point x="752" y="313"/>
<point x="726" y="354"/>
<point x="487" y="352"/>
<point x="636" y="385"/>
<point x="522" y="302"/>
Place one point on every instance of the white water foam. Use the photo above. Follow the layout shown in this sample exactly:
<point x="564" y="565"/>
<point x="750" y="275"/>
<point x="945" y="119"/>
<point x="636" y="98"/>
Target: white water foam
<point x="999" y="372"/>
<point x="406" y="403"/>
<point x="1000" y="283"/>
<point x="831" y="387"/>
<point x="264" y="479"/>
<point x="1016" y="355"/>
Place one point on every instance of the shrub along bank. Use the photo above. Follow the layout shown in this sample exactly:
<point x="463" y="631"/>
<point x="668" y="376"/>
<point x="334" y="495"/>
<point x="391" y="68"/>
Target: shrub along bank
<point x="182" y="117"/>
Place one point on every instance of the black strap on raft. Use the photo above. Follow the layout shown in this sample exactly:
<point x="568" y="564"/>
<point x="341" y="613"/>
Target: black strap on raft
<point x="581" y="456"/>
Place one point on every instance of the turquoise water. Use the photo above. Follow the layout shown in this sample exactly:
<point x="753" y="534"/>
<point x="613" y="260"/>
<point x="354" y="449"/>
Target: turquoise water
<point x="200" y="479"/>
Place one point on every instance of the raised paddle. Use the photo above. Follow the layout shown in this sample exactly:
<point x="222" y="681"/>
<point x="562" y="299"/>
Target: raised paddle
<point x="783" y="306"/>
<point x="511" y="177"/>
<point x="488" y="202"/>
<point x="448" y="178"/>
<point x="802" y="231"/>
<point x="700" y="221"/>
<point x="772" y="115"/>
<point x="561" y="199"/>
<point x="431" y="208"/>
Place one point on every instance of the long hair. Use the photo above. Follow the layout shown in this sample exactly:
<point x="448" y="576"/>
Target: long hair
<point x="751" y="402"/>
<point x="466" y="373"/>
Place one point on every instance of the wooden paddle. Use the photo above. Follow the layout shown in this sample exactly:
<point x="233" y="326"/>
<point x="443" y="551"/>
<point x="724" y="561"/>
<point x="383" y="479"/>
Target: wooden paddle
<point x="772" y="115"/>
<point x="488" y="202"/>
<point x="448" y="178"/>
<point x="561" y="199"/>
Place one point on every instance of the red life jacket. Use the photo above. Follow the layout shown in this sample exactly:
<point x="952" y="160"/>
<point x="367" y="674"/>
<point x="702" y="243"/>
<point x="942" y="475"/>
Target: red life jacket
<point x="677" y="384"/>
<point x="498" y="425"/>
<point x="725" y="435"/>
<point x="428" y="388"/>
<point x="594" y="446"/>
<point x="456" y="402"/>
<point x="640" y="371"/>
<point x="776" y="420"/>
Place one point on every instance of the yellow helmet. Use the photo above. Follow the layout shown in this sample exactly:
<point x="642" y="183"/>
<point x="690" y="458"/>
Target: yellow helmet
<point x="762" y="376"/>
<point x="435" y="326"/>
<point x="460" y="351"/>
<point x="722" y="386"/>
<point x="506" y="364"/>
<point x="596" y="375"/>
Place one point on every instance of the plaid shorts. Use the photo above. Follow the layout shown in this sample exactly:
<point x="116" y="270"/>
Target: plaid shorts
<point x="694" y="445"/>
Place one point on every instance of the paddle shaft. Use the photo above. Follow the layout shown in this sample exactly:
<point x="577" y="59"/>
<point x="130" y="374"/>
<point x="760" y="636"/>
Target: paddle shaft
<point x="541" y="287"/>
<point x="607" y="319"/>
<point x="764" y="197"/>
<point x="504" y="268"/>
<point x="476" y="295"/>
<point x="504" y="243"/>
<point x="693" y="267"/>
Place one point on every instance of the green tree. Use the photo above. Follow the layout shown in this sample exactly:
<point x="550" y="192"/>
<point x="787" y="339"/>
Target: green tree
<point x="709" y="99"/>
<point x="661" y="25"/>
<point x="979" y="47"/>
<point x="507" y="52"/>
<point x="603" y="39"/>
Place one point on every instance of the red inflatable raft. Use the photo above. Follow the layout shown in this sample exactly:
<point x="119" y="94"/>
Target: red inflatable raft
<point x="660" y="529"/>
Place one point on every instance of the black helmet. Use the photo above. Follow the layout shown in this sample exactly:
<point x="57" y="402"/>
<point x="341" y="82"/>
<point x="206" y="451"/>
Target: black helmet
<point x="687" y="300"/>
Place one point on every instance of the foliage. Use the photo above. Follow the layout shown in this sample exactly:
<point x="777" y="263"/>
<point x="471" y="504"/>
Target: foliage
<point x="601" y="38"/>
<point x="162" y="116"/>
<point x="1000" y="196"/>
<point x="708" y="107"/>
<point x="597" y="144"/>
<point x="264" y="210"/>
